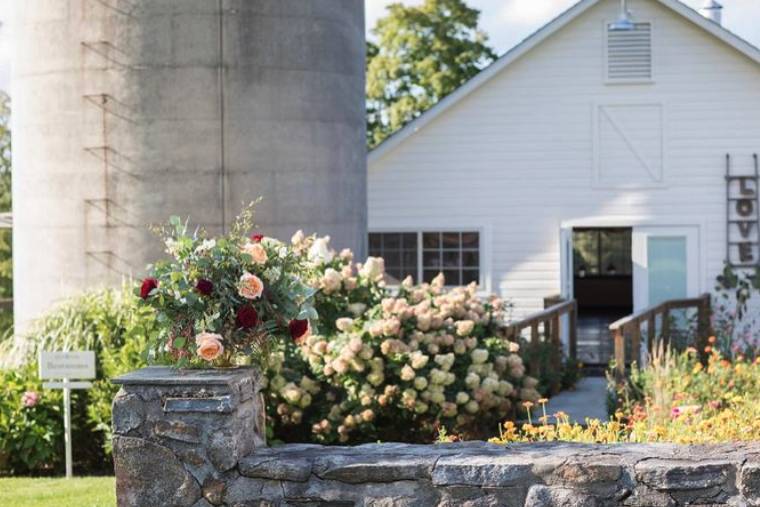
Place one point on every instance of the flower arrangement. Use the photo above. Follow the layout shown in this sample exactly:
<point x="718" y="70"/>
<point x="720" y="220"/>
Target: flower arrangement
<point x="225" y="301"/>
<point x="397" y="366"/>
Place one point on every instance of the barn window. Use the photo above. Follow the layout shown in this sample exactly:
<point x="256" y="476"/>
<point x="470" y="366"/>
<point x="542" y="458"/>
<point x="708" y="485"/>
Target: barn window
<point x="424" y="254"/>
<point x="629" y="54"/>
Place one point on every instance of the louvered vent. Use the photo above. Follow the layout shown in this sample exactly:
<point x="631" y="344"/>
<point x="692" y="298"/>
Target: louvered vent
<point x="629" y="53"/>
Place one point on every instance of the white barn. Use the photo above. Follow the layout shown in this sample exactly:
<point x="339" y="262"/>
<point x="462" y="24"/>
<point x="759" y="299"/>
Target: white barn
<point x="586" y="161"/>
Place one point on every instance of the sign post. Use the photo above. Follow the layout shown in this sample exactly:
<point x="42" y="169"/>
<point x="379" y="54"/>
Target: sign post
<point x="67" y="366"/>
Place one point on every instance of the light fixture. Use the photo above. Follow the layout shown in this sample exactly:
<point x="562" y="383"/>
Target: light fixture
<point x="624" y="22"/>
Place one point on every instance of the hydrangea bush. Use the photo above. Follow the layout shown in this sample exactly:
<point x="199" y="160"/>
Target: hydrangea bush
<point x="397" y="366"/>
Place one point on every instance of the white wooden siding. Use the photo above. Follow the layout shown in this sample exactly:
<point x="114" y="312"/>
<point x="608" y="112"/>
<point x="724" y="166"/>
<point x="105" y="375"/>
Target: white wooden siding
<point x="517" y="155"/>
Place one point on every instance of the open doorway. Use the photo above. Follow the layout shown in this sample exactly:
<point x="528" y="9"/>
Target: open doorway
<point x="602" y="286"/>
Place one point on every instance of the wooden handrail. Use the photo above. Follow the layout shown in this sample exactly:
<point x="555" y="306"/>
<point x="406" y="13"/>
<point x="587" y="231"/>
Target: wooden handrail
<point x="551" y="320"/>
<point x="631" y="325"/>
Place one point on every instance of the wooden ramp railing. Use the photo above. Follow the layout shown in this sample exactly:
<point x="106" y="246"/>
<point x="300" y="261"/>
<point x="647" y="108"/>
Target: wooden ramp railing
<point x="550" y="322"/>
<point x="630" y="326"/>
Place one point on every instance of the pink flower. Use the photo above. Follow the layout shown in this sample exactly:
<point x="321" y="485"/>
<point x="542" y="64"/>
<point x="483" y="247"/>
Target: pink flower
<point x="30" y="398"/>
<point x="250" y="286"/>
<point x="256" y="251"/>
<point x="209" y="346"/>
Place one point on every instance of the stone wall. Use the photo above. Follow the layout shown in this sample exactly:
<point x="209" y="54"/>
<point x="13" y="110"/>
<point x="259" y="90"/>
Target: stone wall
<point x="192" y="440"/>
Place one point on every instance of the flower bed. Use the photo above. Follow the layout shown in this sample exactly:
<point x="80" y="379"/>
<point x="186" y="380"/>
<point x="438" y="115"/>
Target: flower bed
<point x="675" y="399"/>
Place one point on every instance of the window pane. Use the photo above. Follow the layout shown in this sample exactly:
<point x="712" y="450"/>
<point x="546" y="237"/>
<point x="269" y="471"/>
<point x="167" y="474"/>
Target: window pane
<point x="410" y="261"/>
<point x="400" y="252"/>
<point x="586" y="253"/>
<point x="451" y="259"/>
<point x="429" y="274"/>
<point x="452" y="277"/>
<point x="470" y="275"/>
<point x="392" y="258"/>
<point x="392" y="240"/>
<point x="451" y="240"/>
<point x="616" y="252"/>
<point x="409" y="240"/>
<point x="471" y="259"/>
<point x="470" y="240"/>
<point x="394" y="274"/>
<point x="431" y="240"/>
<point x="431" y="259"/>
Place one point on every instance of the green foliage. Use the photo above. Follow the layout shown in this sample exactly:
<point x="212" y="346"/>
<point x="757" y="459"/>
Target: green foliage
<point x="423" y="54"/>
<point x="30" y="436"/>
<point x="6" y="238"/>
<point x="116" y="327"/>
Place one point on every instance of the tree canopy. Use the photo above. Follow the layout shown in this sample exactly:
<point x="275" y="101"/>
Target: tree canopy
<point x="422" y="54"/>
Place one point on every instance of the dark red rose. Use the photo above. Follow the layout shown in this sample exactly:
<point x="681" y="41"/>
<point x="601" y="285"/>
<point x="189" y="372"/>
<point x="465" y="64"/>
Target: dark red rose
<point x="299" y="329"/>
<point x="148" y="285"/>
<point x="204" y="286"/>
<point x="256" y="238"/>
<point x="247" y="317"/>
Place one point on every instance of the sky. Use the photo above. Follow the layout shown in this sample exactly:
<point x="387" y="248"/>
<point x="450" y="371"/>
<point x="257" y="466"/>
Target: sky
<point x="507" y="22"/>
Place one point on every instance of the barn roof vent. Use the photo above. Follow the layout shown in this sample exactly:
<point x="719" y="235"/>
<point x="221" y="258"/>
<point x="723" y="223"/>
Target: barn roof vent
<point x="712" y="10"/>
<point x="629" y="53"/>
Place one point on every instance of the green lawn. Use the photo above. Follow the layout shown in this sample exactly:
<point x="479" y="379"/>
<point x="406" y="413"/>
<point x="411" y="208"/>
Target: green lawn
<point x="78" y="492"/>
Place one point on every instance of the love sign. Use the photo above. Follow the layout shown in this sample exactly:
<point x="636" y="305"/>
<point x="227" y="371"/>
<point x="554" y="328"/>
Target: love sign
<point x="742" y="217"/>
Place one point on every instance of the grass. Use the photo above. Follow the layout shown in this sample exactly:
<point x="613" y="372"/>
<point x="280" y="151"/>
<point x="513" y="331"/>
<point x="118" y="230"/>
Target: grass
<point x="43" y="492"/>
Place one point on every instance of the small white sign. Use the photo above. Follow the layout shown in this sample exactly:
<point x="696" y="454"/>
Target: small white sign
<point x="68" y="365"/>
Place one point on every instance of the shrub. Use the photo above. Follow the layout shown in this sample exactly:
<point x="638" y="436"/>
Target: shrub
<point x="31" y="425"/>
<point x="111" y="323"/>
<point x="397" y="367"/>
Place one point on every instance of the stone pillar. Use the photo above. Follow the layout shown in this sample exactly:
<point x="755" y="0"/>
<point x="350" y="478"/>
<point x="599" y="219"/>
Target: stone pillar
<point x="179" y="433"/>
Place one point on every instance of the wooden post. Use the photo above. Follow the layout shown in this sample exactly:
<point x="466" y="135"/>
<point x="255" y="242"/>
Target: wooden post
<point x="573" y="331"/>
<point x="556" y="352"/>
<point x="703" y="326"/>
<point x="535" y="345"/>
<point x="636" y="342"/>
<point x="651" y="332"/>
<point x="619" y="339"/>
<point x="666" y="326"/>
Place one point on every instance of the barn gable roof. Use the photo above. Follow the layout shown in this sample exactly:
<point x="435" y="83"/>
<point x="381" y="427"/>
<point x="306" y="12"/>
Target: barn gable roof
<point x="534" y="40"/>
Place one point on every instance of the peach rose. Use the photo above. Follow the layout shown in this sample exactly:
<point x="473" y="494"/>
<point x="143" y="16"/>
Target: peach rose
<point x="251" y="286"/>
<point x="257" y="252"/>
<point x="209" y="346"/>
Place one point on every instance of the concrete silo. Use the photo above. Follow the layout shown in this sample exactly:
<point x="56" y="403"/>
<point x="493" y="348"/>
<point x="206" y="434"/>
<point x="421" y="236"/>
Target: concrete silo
<point x="128" y="111"/>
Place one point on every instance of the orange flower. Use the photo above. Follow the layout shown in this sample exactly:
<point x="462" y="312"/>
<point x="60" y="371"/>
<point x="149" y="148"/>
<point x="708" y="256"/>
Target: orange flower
<point x="250" y="286"/>
<point x="256" y="251"/>
<point x="209" y="346"/>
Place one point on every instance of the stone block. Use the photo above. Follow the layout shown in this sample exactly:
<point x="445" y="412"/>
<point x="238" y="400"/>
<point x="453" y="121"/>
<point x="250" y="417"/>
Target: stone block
<point x="683" y="475"/>
<point x="503" y="471"/>
<point x="543" y="496"/>
<point x="750" y="483"/>
<point x="149" y="474"/>
<point x="291" y="468"/>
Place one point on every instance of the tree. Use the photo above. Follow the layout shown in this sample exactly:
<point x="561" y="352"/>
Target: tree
<point x="423" y="53"/>
<point x="6" y="247"/>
